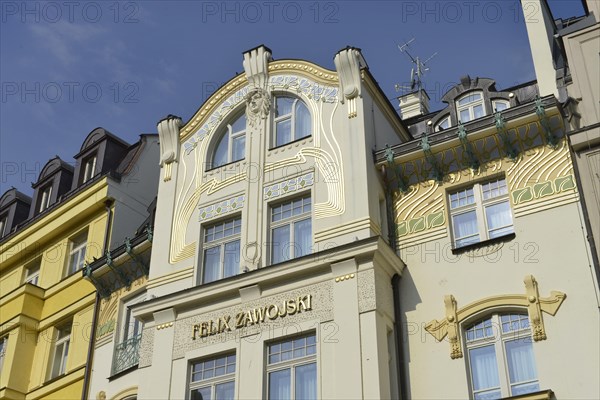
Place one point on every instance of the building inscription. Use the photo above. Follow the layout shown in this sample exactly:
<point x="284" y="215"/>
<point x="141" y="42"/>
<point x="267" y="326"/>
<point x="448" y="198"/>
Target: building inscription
<point x="227" y="323"/>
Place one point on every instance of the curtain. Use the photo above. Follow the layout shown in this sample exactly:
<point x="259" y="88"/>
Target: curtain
<point x="212" y="259"/>
<point x="283" y="132"/>
<point x="280" y="244"/>
<point x="465" y="226"/>
<point x="306" y="382"/>
<point x="302" y="237"/>
<point x="220" y="157"/>
<point x="303" y="123"/>
<point x="225" y="391"/>
<point x="484" y="367"/>
<point x="521" y="364"/>
<point x="499" y="216"/>
<point x="232" y="259"/>
<point x="279" y="385"/>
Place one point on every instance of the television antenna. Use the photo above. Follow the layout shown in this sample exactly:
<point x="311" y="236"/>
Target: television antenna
<point x="416" y="73"/>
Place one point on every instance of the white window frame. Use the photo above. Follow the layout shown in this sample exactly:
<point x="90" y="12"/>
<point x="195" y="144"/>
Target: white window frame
<point x="89" y="168"/>
<point x="220" y="242"/>
<point x="505" y="103"/>
<point x="231" y="135"/>
<point x="126" y="320"/>
<point x="291" y="221"/>
<point x="60" y="350"/>
<point x="292" y="117"/>
<point x="446" y="120"/>
<point x="77" y="247"/>
<point x="498" y="338"/>
<point x="293" y="362"/>
<point x="470" y="105"/>
<point x="213" y="381"/>
<point x="479" y="206"/>
<point x="3" y="225"/>
<point x="32" y="272"/>
<point x="3" y="347"/>
<point x="45" y="197"/>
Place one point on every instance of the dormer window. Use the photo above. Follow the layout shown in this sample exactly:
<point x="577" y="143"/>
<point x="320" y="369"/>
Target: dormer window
<point x="3" y="225"/>
<point x="443" y="124"/>
<point x="500" y="105"/>
<point x="470" y="107"/>
<point x="232" y="145"/>
<point x="292" y="121"/>
<point x="45" y="198"/>
<point x="89" y="168"/>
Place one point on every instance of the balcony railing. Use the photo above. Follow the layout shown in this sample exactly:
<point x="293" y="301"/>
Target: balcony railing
<point x="126" y="354"/>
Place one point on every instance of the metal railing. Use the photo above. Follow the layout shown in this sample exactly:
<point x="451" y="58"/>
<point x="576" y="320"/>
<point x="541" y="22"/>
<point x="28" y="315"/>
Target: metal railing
<point x="126" y="354"/>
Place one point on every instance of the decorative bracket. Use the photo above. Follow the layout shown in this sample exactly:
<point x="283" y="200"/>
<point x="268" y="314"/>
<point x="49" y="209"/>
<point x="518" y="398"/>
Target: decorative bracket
<point x="541" y="113"/>
<point x="348" y="63"/>
<point x="389" y="156"/>
<point x="122" y="278"/>
<point x="503" y="134"/>
<point x="437" y="169"/>
<point x="87" y="273"/>
<point x="468" y="148"/>
<point x="168" y="133"/>
<point x="258" y="99"/>
<point x="531" y="300"/>
<point x="134" y="257"/>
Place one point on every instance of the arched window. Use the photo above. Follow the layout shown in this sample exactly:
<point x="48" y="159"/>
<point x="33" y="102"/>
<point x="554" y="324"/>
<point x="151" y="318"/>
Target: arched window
<point x="444" y="123"/>
<point x="470" y="107"/>
<point x="232" y="144"/>
<point x="292" y="120"/>
<point x="500" y="105"/>
<point x="500" y="357"/>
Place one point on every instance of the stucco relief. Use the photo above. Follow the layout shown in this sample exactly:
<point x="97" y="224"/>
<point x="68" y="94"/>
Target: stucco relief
<point x="367" y="298"/>
<point x="325" y="153"/>
<point x="322" y="311"/>
<point x="146" y="348"/>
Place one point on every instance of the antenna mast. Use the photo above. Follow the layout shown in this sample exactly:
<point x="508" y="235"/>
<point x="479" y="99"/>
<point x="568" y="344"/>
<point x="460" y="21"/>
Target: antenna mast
<point x="416" y="73"/>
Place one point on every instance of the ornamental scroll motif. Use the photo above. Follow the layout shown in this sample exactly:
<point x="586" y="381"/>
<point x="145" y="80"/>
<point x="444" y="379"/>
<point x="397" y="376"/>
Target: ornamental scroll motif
<point x="450" y="325"/>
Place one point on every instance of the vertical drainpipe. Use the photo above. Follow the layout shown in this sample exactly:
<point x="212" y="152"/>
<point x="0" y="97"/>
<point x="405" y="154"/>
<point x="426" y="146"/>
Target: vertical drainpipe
<point x="88" y="363"/>
<point x="402" y="384"/>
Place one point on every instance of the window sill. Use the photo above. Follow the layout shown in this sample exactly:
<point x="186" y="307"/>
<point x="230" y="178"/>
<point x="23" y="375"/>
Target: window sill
<point x="292" y="142"/>
<point x="121" y="373"/>
<point x="541" y="395"/>
<point x="463" y="249"/>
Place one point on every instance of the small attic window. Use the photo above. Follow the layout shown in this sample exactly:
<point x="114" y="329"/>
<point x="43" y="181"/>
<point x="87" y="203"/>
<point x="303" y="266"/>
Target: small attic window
<point x="45" y="197"/>
<point x="500" y="105"/>
<point x="444" y="123"/>
<point x="470" y="107"/>
<point x="89" y="168"/>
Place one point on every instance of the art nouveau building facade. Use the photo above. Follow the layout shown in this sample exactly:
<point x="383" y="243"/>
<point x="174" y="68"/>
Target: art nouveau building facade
<point x="76" y="213"/>
<point x="270" y="264"/>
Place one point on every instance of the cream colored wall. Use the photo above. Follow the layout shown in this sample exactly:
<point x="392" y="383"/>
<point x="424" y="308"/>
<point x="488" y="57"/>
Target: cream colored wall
<point x="549" y="244"/>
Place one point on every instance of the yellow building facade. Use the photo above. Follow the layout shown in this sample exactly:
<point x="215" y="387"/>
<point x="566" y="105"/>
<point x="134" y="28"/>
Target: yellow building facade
<point x="47" y="309"/>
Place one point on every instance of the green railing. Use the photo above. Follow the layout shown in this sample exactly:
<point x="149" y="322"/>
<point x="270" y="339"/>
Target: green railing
<point x="126" y="354"/>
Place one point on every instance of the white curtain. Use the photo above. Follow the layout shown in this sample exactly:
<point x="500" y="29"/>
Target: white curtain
<point x="521" y="363"/>
<point x="302" y="238"/>
<point x="498" y="216"/>
<point x="303" y="123"/>
<point x="306" y="382"/>
<point x="484" y="367"/>
<point x="231" y="259"/>
<point x="212" y="258"/>
<point x="279" y="385"/>
<point x="465" y="225"/>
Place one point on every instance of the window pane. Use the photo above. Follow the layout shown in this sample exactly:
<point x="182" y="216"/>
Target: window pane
<point x="465" y="228"/>
<point x="465" y="116"/>
<point x="283" y="132"/>
<point x="220" y="157"/>
<point x="238" y="149"/>
<point x="201" y="394"/>
<point x="212" y="260"/>
<point x="224" y="391"/>
<point x="303" y="125"/>
<point x="499" y="216"/>
<point x="239" y="125"/>
<point x="232" y="259"/>
<point x="306" y="381"/>
<point x="283" y="106"/>
<point x="500" y="105"/>
<point x="489" y="395"/>
<point x="525" y="388"/>
<point x="478" y="111"/>
<point x="279" y="385"/>
<point x="484" y="368"/>
<point x="302" y="238"/>
<point x="521" y="364"/>
<point x="281" y="244"/>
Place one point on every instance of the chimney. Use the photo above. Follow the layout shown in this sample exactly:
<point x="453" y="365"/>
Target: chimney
<point x="413" y="104"/>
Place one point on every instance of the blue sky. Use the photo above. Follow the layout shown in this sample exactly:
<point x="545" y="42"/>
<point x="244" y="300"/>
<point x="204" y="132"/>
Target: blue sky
<point x="69" y="67"/>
